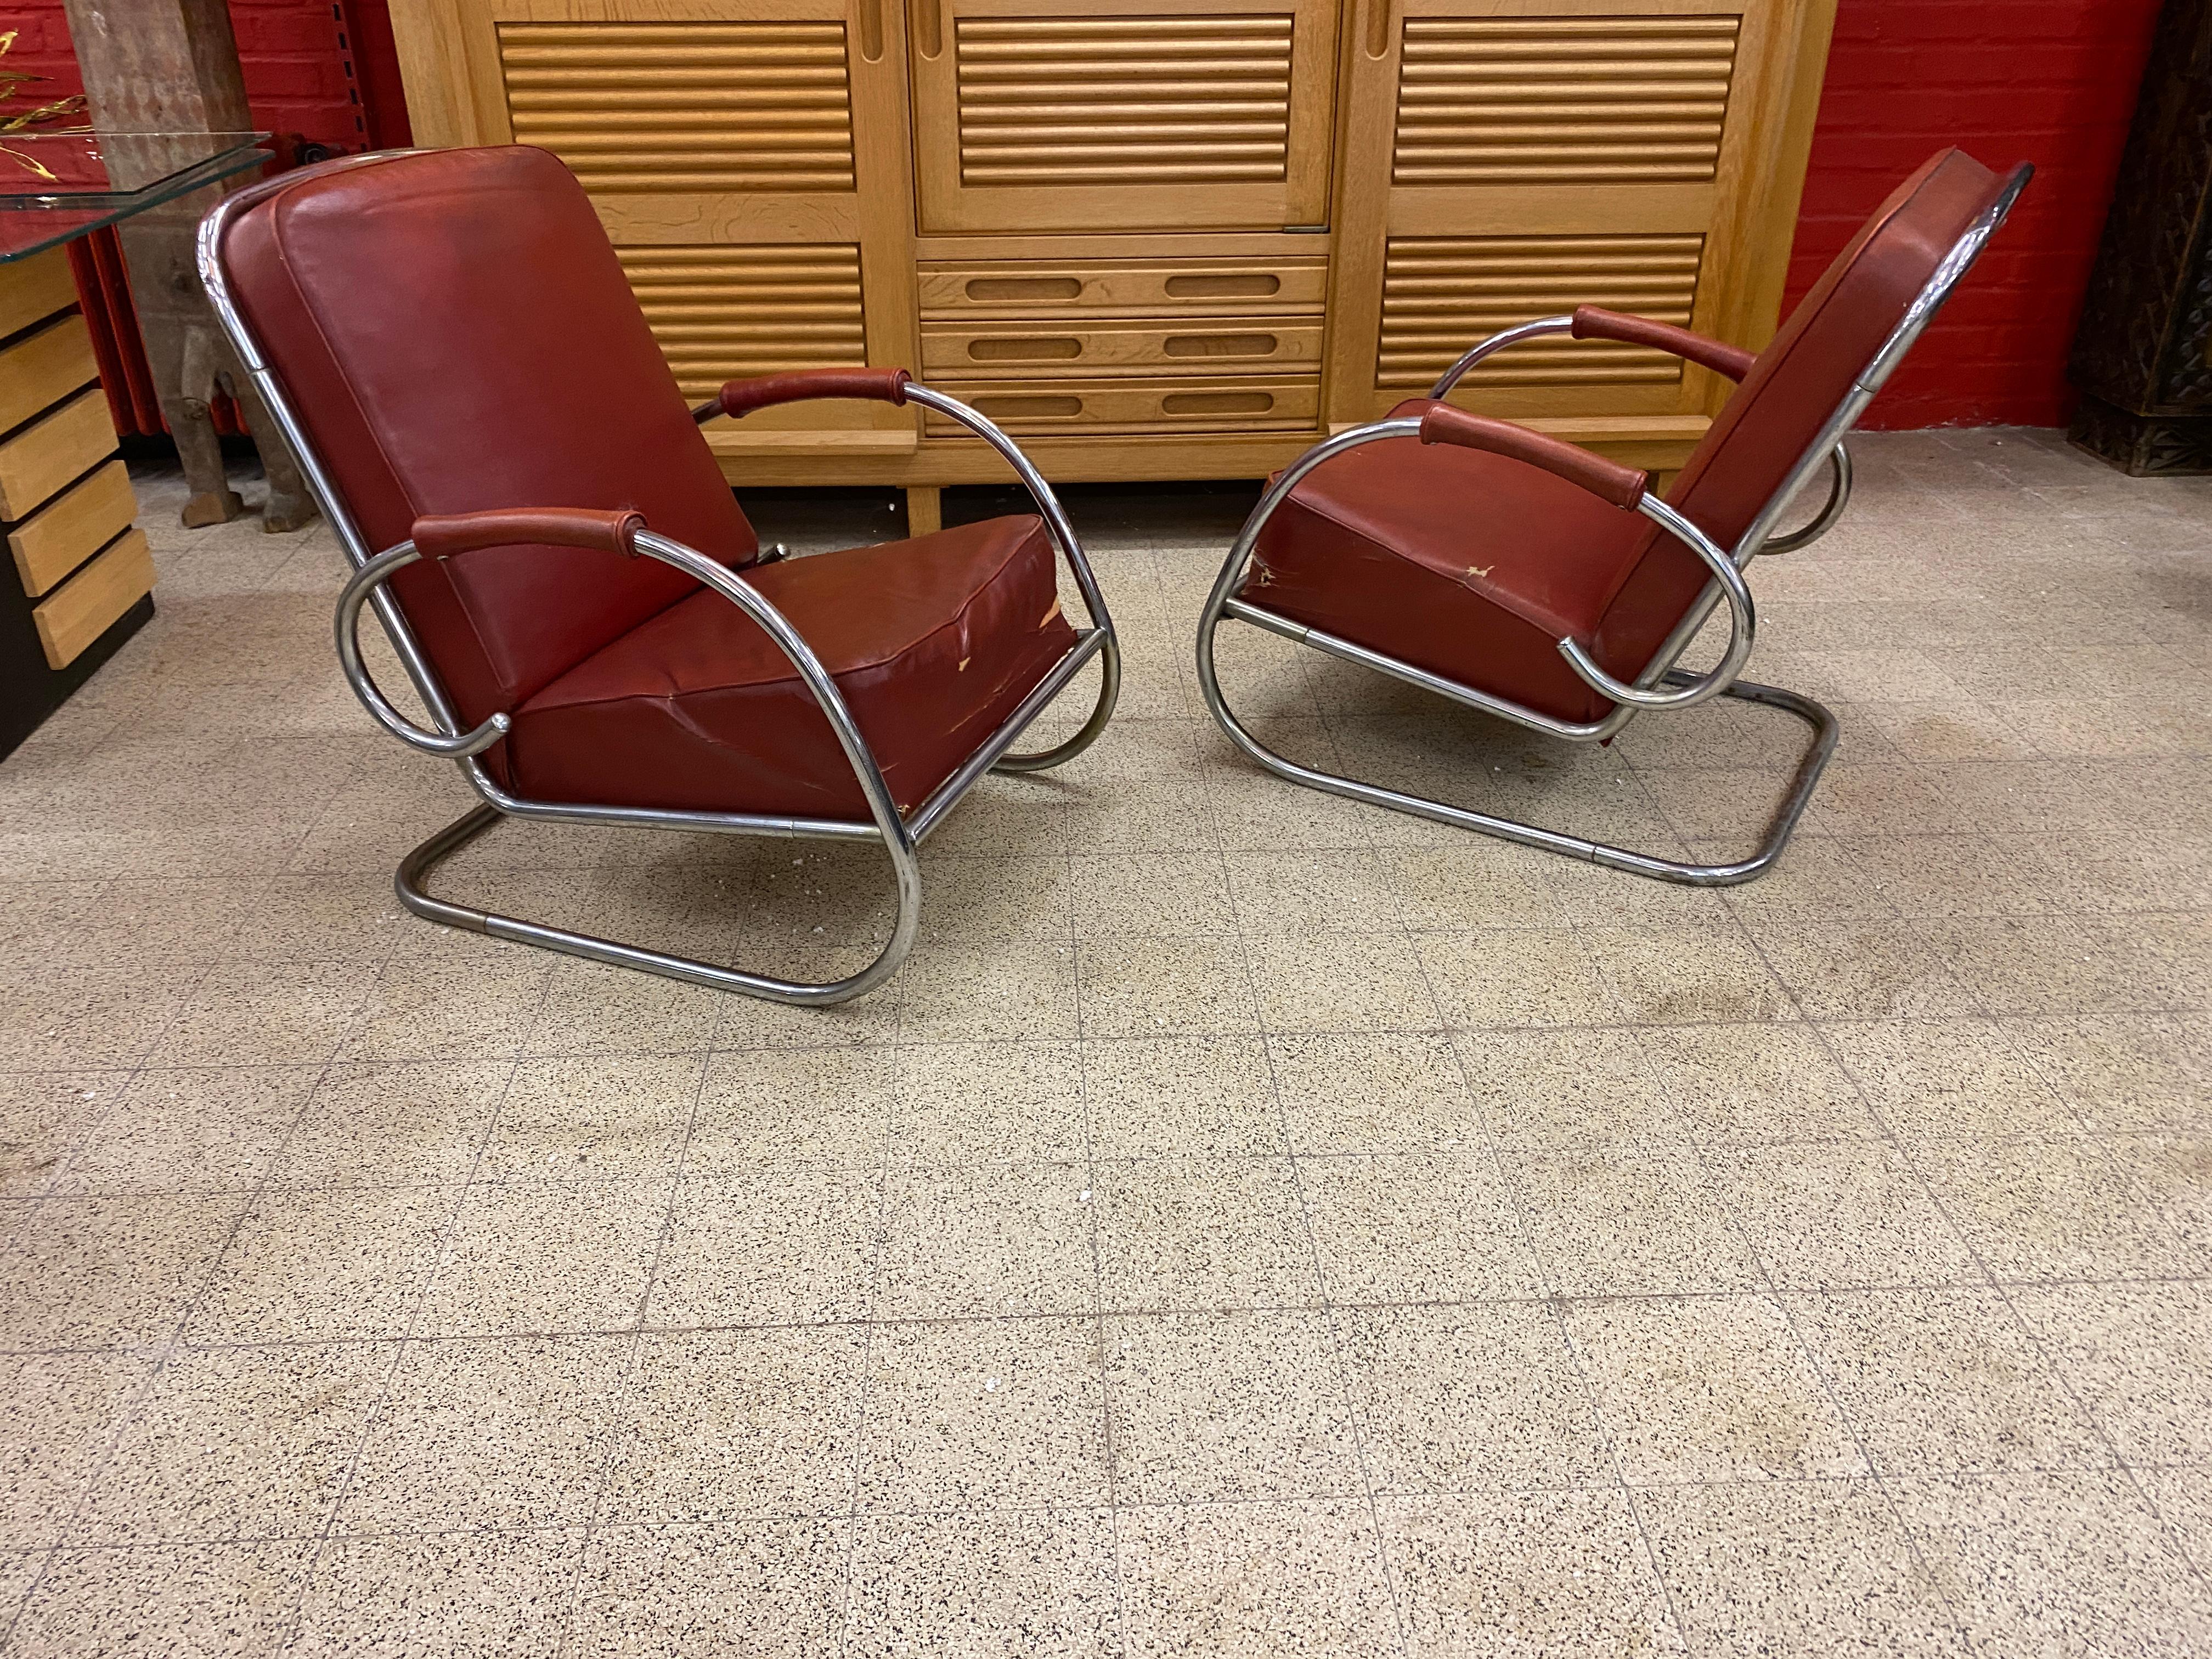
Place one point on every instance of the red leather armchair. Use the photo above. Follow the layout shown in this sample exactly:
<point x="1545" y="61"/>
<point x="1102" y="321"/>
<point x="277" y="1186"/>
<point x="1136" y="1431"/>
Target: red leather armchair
<point x="1514" y="572"/>
<point x="447" y="340"/>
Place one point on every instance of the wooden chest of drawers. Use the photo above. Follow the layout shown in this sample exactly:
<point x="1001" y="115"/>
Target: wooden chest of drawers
<point x="79" y="576"/>
<point x="1159" y="240"/>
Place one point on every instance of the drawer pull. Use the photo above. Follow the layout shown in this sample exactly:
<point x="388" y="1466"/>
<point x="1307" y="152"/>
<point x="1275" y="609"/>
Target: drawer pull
<point x="1057" y="348"/>
<point x="1025" y="287"/>
<point x="1219" y="346"/>
<point x="1029" y="408"/>
<point x="1218" y="402"/>
<point x="1226" y="285"/>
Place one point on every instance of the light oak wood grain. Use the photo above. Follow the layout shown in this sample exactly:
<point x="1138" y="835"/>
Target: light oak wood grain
<point x="44" y="367"/>
<point x="81" y="610"/>
<point x="53" y="451"/>
<point x="68" y="529"/>
<point x="800" y="183"/>
<point x="32" y="289"/>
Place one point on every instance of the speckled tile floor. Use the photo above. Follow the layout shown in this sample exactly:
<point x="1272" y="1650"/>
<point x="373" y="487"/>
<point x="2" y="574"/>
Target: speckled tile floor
<point x="1250" y="1225"/>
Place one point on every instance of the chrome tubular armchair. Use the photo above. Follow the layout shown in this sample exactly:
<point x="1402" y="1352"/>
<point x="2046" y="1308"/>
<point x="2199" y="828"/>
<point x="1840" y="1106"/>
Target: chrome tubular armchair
<point x="1507" y="570"/>
<point x="448" y="343"/>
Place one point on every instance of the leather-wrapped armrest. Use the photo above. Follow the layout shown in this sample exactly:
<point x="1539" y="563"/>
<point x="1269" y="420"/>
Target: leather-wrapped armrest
<point x="441" y="535"/>
<point x="1596" y="323"/>
<point x="1623" y="486"/>
<point x="740" y="397"/>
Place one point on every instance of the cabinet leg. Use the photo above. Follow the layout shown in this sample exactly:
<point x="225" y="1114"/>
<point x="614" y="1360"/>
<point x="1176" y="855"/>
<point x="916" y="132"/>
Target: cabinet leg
<point x="924" y="510"/>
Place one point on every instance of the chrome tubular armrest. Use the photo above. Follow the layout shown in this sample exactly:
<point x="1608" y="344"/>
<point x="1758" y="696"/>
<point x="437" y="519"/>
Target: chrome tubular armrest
<point x="1742" y="616"/>
<point x="447" y="745"/>
<point x="773" y="623"/>
<point x="1240" y="552"/>
<point x="1063" y="535"/>
<point x="1839" y="496"/>
<point x="1497" y="342"/>
<point x="727" y="582"/>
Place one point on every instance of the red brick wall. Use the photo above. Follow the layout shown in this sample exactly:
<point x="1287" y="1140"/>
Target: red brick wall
<point x="2051" y="81"/>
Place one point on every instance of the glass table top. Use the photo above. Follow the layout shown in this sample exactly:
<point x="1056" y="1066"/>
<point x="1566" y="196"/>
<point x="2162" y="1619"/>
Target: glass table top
<point x="54" y="185"/>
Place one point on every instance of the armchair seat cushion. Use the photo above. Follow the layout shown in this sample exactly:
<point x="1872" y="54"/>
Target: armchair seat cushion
<point x="932" y="642"/>
<point x="1470" y="565"/>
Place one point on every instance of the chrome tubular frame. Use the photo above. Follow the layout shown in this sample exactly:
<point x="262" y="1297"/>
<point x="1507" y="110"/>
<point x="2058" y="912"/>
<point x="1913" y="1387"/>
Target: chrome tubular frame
<point x="900" y="836"/>
<point x="1682" y="689"/>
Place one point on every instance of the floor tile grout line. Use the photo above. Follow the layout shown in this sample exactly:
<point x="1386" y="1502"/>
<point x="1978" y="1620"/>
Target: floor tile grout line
<point x="865" y="1393"/>
<point x="1556" y="1306"/>
<point x="409" y="1329"/>
<point x="1883" y="1484"/>
<point x="1098" y="1317"/>
<point x="1349" y="1495"/>
<point x="159" y="1358"/>
<point x="616" y="1418"/>
<point x="1137" y="1311"/>
<point x="1355" y="1416"/>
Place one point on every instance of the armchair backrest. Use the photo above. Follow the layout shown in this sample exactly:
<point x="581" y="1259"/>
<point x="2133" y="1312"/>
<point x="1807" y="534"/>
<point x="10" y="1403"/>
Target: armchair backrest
<point x="454" y="332"/>
<point x="1828" y="344"/>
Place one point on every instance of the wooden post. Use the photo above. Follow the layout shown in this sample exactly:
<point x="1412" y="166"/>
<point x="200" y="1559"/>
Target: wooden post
<point x="171" y="66"/>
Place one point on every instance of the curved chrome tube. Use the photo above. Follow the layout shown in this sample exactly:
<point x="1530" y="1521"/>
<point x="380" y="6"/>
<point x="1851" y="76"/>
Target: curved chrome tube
<point x="889" y="827"/>
<point x="1743" y="618"/>
<point x="370" y="587"/>
<point x="1497" y="342"/>
<point x="1839" y="496"/>
<point x="1063" y="535"/>
<point x="347" y="623"/>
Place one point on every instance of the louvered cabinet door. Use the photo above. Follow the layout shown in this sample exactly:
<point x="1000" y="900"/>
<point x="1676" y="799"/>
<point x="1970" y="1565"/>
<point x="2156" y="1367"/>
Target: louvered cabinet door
<point x="749" y="159"/>
<point x="1505" y="160"/>
<point x="1098" y="115"/>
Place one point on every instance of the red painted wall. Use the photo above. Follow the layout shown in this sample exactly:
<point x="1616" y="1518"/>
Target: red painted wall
<point x="2051" y="81"/>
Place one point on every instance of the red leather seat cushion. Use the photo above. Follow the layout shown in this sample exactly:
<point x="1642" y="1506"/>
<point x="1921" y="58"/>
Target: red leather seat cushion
<point x="933" y="642"/>
<point x="1465" y="564"/>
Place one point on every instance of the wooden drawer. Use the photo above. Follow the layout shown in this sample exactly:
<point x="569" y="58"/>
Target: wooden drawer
<point x="1259" y="403"/>
<point x="44" y="367"/>
<point x="955" y="351"/>
<point x="1149" y="287"/>
<point x="32" y="289"/>
<point x="53" y="451"/>
<point x="66" y="532"/>
<point x="83" y="608"/>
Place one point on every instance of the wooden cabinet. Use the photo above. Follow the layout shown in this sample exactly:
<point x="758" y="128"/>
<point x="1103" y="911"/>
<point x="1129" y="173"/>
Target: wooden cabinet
<point x="78" y="578"/>
<point x="1175" y="239"/>
<point x="749" y="158"/>
<point x="1090" y="114"/>
<point x="1505" y="160"/>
